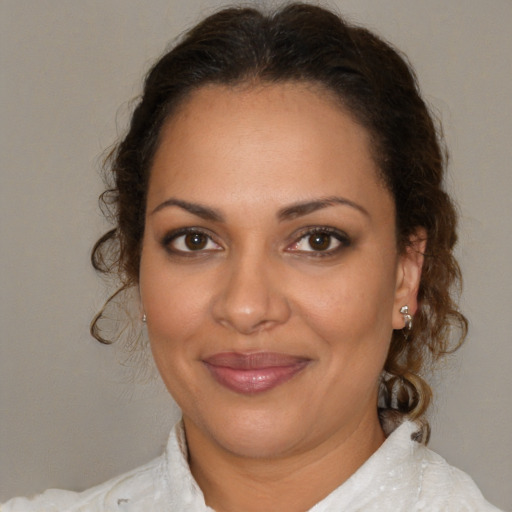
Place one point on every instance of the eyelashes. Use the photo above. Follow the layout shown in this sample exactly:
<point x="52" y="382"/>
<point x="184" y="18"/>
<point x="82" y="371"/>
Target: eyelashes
<point x="314" y="241"/>
<point x="320" y="241"/>
<point x="190" y="242"/>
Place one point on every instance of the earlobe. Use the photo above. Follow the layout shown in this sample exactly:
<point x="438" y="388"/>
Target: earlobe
<point x="409" y="270"/>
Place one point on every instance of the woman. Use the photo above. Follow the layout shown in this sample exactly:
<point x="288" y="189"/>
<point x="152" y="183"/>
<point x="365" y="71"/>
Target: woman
<point x="279" y="207"/>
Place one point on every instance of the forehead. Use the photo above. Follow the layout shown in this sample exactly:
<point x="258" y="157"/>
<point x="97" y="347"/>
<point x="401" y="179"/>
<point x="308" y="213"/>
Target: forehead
<point x="292" y="141"/>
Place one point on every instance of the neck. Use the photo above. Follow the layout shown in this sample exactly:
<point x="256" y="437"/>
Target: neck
<point x="293" y="482"/>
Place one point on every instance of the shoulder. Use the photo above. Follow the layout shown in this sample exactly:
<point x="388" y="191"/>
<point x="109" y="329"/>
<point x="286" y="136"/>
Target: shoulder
<point x="405" y="476"/>
<point x="135" y="490"/>
<point x="444" y="487"/>
<point x="163" y="484"/>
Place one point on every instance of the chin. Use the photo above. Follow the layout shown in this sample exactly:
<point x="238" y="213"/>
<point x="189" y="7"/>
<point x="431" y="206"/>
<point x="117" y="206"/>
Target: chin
<point x="259" y="442"/>
<point x="254" y="433"/>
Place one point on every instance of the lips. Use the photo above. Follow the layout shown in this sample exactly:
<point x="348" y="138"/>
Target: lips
<point x="254" y="373"/>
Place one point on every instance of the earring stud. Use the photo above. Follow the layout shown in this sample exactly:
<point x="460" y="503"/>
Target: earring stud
<point x="144" y="318"/>
<point x="407" y="317"/>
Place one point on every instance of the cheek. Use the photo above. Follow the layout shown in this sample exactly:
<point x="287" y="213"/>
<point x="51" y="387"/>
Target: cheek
<point x="351" y="312"/>
<point x="175" y="305"/>
<point x="175" y="311"/>
<point x="354" y="301"/>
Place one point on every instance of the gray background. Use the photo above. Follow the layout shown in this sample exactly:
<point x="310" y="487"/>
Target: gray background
<point x="71" y="414"/>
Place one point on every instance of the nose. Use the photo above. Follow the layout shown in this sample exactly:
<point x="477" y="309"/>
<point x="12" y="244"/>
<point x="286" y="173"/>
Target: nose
<point x="251" y="299"/>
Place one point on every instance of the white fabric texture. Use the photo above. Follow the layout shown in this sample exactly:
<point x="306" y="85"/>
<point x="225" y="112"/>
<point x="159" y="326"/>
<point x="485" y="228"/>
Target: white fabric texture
<point x="402" y="475"/>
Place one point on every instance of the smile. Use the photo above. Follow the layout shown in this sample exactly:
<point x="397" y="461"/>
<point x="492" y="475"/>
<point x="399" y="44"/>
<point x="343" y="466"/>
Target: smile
<point x="250" y="374"/>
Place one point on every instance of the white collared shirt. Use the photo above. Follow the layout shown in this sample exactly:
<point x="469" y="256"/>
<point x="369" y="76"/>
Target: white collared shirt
<point x="402" y="475"/>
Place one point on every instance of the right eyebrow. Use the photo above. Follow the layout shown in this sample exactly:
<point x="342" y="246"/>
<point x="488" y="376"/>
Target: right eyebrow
<point x="307" y="207"/>
<point x="204" y="212"/>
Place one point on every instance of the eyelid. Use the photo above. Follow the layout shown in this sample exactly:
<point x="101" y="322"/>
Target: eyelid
<point x="173" y="235"/>
<point x="343" y="238"/>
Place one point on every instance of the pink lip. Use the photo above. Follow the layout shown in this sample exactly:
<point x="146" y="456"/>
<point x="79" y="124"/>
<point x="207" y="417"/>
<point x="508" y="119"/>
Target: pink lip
<point x="253" y="373"/>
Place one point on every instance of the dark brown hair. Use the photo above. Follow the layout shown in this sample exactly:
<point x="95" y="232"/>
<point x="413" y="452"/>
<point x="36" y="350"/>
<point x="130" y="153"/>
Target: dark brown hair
<point x="305" y="43"/>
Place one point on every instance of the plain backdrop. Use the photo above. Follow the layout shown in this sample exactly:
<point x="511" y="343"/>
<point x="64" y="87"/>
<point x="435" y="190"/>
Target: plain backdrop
<point x="72" y="414"/>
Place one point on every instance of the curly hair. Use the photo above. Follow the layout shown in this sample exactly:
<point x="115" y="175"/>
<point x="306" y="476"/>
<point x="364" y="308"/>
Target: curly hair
<point x="372" y="81"/>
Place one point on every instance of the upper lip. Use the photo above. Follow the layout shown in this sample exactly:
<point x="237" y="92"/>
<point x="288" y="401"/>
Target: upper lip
<point x="253" y="361"/>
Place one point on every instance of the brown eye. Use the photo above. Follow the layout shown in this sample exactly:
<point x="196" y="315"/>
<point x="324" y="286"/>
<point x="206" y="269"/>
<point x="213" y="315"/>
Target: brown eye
<point x="320" y="241"/>
<point x="189" y="240"/>
<point x="196" y="241"/>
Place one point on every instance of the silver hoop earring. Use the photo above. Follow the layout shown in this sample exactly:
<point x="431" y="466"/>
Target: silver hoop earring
<point x="144" y="318"/>
<point x="407" y="317"/>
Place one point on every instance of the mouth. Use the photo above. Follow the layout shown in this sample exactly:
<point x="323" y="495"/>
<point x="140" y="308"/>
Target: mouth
<point x="250" y="374"/>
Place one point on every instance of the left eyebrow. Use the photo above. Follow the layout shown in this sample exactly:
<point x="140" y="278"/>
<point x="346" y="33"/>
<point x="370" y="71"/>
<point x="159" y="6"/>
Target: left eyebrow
<point x="204" y="212"/>
<point x="307" y="207"/>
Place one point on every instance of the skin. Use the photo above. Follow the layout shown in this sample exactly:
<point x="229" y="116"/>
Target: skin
<point x="257" y="284"/>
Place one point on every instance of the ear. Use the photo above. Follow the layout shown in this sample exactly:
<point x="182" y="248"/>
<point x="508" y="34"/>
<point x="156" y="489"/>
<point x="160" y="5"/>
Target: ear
<point x="408" y="276"/>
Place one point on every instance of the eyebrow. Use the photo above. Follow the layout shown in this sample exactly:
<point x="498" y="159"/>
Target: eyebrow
<point x="307" y="207"/>
<point x="204" y="212"/>
<point x="287" y="213"/>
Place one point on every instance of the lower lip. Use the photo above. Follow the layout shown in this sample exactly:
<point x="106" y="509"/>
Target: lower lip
<point x="254" y="381"/>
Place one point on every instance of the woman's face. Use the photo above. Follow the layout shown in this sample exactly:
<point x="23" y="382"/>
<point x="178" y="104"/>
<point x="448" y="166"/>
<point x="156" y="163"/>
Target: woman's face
<point x="269" y="272"/>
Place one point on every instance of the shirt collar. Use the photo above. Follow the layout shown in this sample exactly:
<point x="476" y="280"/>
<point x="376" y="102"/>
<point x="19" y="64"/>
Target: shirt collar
<point x="390" y="470"/>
